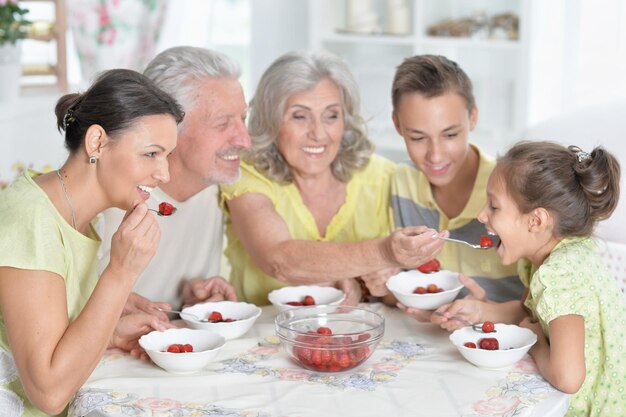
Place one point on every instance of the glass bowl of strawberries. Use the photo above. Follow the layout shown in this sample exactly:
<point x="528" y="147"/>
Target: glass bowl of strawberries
<point x="329" y="338"/>
<point x="500" y="348"/>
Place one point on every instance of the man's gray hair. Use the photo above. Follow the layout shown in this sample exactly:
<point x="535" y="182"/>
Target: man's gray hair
<point x="180" y="71"/>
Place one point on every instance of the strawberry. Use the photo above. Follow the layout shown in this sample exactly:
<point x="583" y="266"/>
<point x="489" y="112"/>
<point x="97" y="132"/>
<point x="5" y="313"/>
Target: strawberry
<point x="470" y="345"/>
<point x="308" y="300"/>
<point x="420" y="290"/>
<point x="489" y="343"/>
<point x="175" y="348"/>
<point x="215" y="317"/>
<point x="486" y="242"/>
<point x="430" y="266"/>
<point x="166" y="209"/>
<point x="324" y="330"/>
<point x="488" y="327"/>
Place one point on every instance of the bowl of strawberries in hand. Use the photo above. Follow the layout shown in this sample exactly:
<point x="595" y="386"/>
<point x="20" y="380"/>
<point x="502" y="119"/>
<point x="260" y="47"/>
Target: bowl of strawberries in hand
<point x="329" y="338"/>
<point x="304" y="296"/>
<point x="229" y="319"/>
<point x="426" y="287"/>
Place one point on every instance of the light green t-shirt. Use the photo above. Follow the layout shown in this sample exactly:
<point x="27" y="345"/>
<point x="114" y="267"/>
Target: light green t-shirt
<point x="573" y="280"/>
<point x="365" y="214"/>
<point x="34" y="236"/>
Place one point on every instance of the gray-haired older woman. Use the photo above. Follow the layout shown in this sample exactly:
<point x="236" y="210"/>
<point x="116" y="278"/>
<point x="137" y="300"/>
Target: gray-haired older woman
<point x="312" y="204"/>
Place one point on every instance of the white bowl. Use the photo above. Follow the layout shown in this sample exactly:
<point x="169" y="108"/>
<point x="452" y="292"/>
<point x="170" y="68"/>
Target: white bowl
<point x="514" y="342"/>
<point x="322" y="295"/>
<point x="205" y="344"/>
<point x="243" y="314"/>
<point x="403" y="284"/>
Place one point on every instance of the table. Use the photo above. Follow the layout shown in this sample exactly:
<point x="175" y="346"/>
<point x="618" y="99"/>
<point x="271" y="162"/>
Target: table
<point x="415" y="371"/>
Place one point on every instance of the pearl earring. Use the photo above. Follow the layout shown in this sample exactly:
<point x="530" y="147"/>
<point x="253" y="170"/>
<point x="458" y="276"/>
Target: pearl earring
<point x="93" y="159"/>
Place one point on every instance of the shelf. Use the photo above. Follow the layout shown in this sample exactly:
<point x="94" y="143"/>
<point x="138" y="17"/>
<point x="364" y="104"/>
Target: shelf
<point x="39" y="69"/>
<point x="369" y="38"/>
<point x="49" y="26"/>
<point x="469" y="42"/>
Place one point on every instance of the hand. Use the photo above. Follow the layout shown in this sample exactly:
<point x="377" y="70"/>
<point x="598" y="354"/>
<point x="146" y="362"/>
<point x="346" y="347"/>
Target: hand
<point x="376" y="281"/>
<point x="138" y="304"/>
<point x="476" y="292"/>
<point x="352" y="290"/>
<point x="131" y="327"/>
<point x="467" y="309"/>
<point x="412" y="246"/>
<point x="216" y="288"/>
<point x="134" y="243"/>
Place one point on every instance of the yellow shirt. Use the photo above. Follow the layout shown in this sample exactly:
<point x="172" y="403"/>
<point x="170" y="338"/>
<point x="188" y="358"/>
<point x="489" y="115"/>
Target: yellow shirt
<point x="414" y="204"/>
<point x="34" y="236"/>
<point x="364" y="215"/>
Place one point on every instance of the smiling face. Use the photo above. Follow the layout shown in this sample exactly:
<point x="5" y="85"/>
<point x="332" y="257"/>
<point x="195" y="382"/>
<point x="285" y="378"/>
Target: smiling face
<point x="502" y="216"/>
<point x="214" y="133"/>
<point x="311" y="129"/>
<point x="136" y="162"/>
<point x="436" y="133"/>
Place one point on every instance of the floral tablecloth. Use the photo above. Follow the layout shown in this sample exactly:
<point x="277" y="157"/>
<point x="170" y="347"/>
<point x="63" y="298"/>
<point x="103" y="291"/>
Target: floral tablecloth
<point x="415" y="371"/>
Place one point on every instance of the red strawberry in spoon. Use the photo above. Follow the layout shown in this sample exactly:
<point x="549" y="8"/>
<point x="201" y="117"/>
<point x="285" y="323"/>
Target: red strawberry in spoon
<point x="166" y="209"/>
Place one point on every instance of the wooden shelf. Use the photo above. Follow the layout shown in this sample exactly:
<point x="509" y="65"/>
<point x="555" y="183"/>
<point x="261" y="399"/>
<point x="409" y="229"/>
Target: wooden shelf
<point x="53" y="31"/>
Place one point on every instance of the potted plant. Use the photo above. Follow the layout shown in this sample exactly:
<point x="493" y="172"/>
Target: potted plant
<point x="13" y="27"/>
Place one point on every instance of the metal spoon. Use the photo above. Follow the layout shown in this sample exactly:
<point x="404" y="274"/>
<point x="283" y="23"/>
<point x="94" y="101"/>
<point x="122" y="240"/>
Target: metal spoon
<point x="182" y="313"/>
<point x="471" y="245"/>
<point x="475" y="326"/>
<point x="161" y="214"/>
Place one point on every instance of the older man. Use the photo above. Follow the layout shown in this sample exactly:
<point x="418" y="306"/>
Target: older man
<point x="210" y="138"/>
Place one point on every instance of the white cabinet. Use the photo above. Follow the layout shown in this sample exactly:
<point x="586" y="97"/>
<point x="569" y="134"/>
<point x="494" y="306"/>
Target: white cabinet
<point x="497" y="65"/>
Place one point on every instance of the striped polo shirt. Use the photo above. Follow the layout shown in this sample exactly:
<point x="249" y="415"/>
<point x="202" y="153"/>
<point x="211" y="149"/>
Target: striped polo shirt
<point x="413" y="204"/>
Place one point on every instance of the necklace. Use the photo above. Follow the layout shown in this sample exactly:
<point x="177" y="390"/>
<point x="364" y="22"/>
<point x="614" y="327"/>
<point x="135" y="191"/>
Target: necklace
<point x="67" y="198"/>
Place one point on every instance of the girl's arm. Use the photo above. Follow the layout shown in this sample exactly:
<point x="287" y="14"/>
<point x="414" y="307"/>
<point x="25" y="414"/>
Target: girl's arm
<point x="55" y="356"/>
<point x="266" y="237"/>
<point x="561" y="361"/>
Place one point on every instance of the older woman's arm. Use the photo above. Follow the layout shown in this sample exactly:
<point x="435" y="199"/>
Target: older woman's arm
<point x="265" y="236"/>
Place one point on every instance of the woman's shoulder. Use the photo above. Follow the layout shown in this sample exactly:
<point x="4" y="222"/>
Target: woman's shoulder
<point x="377" y="167"/>
<point x="251" y="180"/>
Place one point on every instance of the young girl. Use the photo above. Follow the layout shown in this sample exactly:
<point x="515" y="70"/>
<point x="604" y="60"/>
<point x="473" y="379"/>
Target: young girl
<point x="544" y="200"/>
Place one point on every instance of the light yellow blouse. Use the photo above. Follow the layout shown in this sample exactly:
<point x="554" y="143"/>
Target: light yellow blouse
<point x="366" y="214"/>
<point x="34" y="236"/>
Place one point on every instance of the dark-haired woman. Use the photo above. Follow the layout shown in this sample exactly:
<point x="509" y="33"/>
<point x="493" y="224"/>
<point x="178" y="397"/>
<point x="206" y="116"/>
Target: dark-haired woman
<point x="56" y="316"/>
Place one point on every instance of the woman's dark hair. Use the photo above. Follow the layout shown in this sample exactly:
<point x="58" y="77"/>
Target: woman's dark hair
<point x="114" y="101"/>
<point x="431" y="76"/>
<point x="578" y="188"/>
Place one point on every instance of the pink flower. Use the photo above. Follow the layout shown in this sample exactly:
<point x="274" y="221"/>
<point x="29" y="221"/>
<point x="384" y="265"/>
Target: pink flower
<point x="387" y="366"/>
<point x="527" y="365"/>
<point x="497" y="406"/>
<point x="158" y="404"/>
<point x="3" y="2"/>
<point x="108" y="36"/>
<point x="12" y="1"/>
<point x="103" y="14"/>
<point x="294" y="375"/>
<point x="264" y="350"/>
